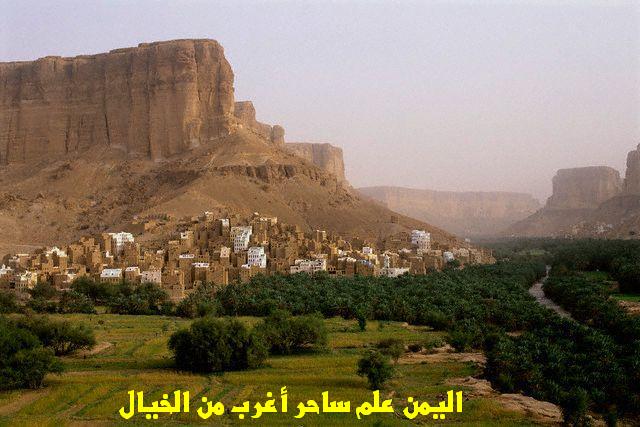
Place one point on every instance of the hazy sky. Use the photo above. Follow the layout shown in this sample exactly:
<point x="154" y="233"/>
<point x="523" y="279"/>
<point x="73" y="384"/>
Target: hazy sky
<point x="443" y="95"/>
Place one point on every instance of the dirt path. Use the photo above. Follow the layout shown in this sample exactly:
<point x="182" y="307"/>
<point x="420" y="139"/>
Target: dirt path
<point x="537" y="292"/>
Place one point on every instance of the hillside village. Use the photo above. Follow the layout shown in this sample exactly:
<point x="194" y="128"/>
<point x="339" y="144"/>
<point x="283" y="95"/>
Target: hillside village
<point x="227" y="250"/>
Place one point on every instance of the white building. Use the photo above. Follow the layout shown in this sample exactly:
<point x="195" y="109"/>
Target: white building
<point x="25" y="280"/>
<point x="367" y="250"/>
<point x="119" y="239"/>
<point x="56" y="250"/>
<point x="240" y="236"/>
<point x="225" y="252"/>
<point x="4" y="270"/>
<point x="204" y="265"/>
<point x="448" y="256"/>
<point x="309" y="266"/>
<point x="256" y="256"/>
<point x="393" y="272"/>
<point x="151" y="276"/>
<point x="111" y="275"/>
<point x="421" y="239"/>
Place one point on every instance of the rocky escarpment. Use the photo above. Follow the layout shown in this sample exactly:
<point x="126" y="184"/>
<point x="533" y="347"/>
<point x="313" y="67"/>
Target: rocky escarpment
<point x="80" y="139"/>
<point x="584" y="188"/>
<point x="585" y="202"/>
<point x="155" y="100"/>
<point x="463" y="213"/>
<point x="632" y="175"/>
<point x="323" y="155"/>
<point x="245" y="112"/>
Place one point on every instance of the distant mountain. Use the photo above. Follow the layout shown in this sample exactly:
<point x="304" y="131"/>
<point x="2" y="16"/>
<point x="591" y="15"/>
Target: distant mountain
<point x="589" y="202"/>
<point x="466" y="214"/>
<point x="88" y="143"/>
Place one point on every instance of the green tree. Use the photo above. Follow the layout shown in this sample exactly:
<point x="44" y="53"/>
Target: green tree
<point x="376" y="367"/>
<point x="216" y="345"/>
<point x="392" y="347"/>
<point x="8" y="302"/>
<point x="285" y="334"/>
<point x="75" y="302"/>
<point x="62" y="336"/>
<point x="23" y="361"/>
<point x="200" y="303"/>
<point x="44" y="291"/>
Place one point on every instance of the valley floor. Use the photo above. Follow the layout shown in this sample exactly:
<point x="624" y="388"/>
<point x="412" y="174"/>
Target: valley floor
<point x="132" y="354"/>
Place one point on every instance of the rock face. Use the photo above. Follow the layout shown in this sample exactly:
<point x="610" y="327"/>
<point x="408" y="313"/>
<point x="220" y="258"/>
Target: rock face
<point x="155" y="100"/>
<point x="584" y="188"/>
<point x="474" y="214"/>
<point x="325" y="156"/>
<point x="632" y="176"/>
<point x="245" y="113"/>
<point x="79" y="136"/>
<point x="586" y="202"/>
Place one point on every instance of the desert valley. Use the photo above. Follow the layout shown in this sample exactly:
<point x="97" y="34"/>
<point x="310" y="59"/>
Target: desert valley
<point x="161" y="243"/>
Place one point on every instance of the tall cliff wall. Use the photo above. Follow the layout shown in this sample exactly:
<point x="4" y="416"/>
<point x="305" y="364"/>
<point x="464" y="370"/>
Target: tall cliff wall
<point x="245" y="113"/>
<point x="584" y="188"/>
<point x="632" y="175"/>
<point x="325" y="156"/>
<point x="462" y="213"/>
<point x="156" y="99"/>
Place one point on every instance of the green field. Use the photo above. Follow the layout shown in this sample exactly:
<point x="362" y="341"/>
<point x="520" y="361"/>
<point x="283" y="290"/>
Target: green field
<point x="134" y="355"/>
<point x="627" y="297"/>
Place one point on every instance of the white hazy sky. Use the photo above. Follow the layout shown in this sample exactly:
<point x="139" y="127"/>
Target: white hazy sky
<point x="452" y="95"/>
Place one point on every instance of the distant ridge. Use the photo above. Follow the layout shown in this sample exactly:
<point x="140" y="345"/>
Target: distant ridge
<point x="467" y="213"/>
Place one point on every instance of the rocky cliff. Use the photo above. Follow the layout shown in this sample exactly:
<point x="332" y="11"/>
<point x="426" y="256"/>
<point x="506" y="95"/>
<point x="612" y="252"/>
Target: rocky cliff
<point x="632" y="175"/>
<point x="584" y="188"/>
<point x="586" y="202"/>
<point x="80" y="139"/>
<point x="155" y="100"/>
<point x="245" y="113"/>
<point x="325" y="156"/>
<point x="472" y="214"/>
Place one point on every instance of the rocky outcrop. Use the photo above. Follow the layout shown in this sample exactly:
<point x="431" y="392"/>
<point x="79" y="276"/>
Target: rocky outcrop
<point x="586" y="202"/>
<point x="155" y="100"/>
<point x="325" y="156"/>
<point x="584" y="188"/>
<point x="245" y="113"/>
<point x="632" y="175"/>
<point x="463" y="213"/>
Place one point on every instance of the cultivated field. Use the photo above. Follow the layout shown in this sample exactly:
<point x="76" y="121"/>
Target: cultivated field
<point x="132" y="354"/>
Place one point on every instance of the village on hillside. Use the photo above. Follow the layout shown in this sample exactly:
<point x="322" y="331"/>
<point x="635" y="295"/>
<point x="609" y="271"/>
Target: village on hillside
<point x="229" y="250"/>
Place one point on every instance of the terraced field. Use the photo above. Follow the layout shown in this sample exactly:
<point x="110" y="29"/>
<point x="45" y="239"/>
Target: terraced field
<point x="132" y="354"/>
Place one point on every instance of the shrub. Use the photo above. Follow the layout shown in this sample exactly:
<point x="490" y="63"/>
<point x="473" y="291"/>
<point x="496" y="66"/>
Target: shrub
<point x="392" y="347"/>
<point x="415" y="347"/>
<point x="23" y="361"/>
<point x="146" y="299"/>
<point x="62" y="336"/>
<point x="200" y="303"/>
<point x="75" y="302"/>
<point x="41" y="305"/>
<point x="285" y="334"/>
<point x="432" y="343"/>
<point x="628" y="276"/>
<point x="574" y="408"/>
<point x="44" y="291"/>
<point x="216" y="345"/>
<point x="376" y="367"/>
<point x="8" y="303"/>
<point x="98" y="292"/>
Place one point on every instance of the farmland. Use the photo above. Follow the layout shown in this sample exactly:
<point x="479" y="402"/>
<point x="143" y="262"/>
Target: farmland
<point x="132" y="354"/>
